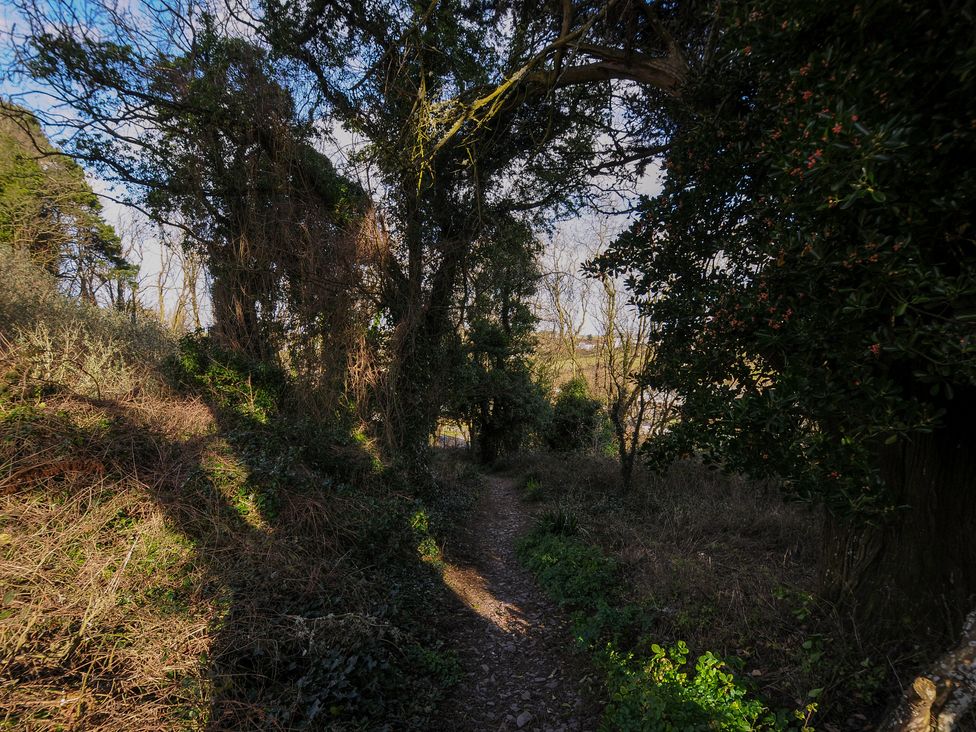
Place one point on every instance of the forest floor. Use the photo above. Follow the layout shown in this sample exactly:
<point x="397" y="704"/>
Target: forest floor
<point x="520" y="670"/>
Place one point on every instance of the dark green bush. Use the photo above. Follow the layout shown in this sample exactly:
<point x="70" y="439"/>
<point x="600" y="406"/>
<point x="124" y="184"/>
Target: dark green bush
<point x="575" y="418"/>
<point x="252" y="389"/>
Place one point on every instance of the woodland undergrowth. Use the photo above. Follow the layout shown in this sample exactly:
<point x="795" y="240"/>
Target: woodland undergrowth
<point x="694" y="593"/>
<point x="182" y="547"/>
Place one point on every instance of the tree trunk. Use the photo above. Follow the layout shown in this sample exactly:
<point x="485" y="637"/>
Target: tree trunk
<point x="627" y="469"/>
<point x="411" y="414"/>
<point x="918" y="570"/>
<point x="488" y="438"/>
<point x="236" y="324"/>
<point x="618" y="418"/>
<point x="413" y="393"/>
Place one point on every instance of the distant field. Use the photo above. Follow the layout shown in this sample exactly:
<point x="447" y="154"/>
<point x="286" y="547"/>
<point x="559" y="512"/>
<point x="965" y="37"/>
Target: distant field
<point x="553" y="359"/>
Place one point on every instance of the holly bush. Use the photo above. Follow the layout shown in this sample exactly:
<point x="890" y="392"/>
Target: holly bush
<point x="811" y="257"/>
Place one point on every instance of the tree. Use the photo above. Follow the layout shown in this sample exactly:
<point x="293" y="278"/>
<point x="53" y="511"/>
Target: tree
<point x="811" y="262"/>
<point x="496" y="393"/>
<point x="48" y="209"/>
<point x="637" y="411"/>
<point x="472" y="110"/>
<point x="565" y="302"/>
<point x="275" y="222"/>
<point x="445" y="173"/>
<point x="198" y="128"/>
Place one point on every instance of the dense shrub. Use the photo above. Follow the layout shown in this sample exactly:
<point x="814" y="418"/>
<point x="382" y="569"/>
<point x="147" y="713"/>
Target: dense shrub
<point x="575" y="417"/>
<point x="264" y="409"/>
<point x="54" y="342"/>
<point x="252" y="388"/>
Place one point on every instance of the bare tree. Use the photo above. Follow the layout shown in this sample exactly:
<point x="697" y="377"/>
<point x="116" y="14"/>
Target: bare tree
<point x="565" y="302"/>
<point x="637" y="411"/>
<point x="192" y="268"/>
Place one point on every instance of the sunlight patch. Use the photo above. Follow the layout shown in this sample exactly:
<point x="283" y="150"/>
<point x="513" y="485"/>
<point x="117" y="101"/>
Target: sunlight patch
<point x="472" y="589"/>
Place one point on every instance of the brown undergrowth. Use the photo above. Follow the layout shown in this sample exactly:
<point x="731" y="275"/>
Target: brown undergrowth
<point x="158" y="593"/>
<point x="180" y="549"/>
<point x="728" y="567"/>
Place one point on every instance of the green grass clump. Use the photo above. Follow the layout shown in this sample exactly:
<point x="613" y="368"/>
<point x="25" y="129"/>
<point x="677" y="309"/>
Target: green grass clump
<point x="532" y="489"/>
<point x="648" y="692"/>
<point x="577" y="575"/>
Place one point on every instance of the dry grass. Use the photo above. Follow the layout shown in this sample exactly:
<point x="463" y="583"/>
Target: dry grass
<point x="54" y="342"/>
<point x="727" y="566"/>
<point x="161" y="567"/>
<point x="86" y="643"/>
<point x="141" y="583"/>
<point x="166" y="565"/>
<point x="95" y="631"/>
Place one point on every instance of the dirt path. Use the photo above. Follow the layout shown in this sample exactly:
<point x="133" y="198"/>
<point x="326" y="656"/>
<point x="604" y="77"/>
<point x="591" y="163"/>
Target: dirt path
<point x="520" y="671"/>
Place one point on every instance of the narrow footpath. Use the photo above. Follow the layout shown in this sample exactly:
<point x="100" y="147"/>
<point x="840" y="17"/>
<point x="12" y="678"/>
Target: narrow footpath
<point x="520" y="668"/>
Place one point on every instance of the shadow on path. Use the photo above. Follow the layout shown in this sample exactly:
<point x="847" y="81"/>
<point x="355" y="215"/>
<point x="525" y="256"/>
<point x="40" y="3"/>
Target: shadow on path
<point x="520" y="668"/>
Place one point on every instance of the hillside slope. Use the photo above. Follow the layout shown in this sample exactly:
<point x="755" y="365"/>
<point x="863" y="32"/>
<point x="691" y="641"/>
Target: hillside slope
<point x="180" y="548"/>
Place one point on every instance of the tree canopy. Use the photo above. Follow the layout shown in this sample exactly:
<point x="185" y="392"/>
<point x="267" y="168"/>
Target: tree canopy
<point x="811" y="262"/>
<point x="808" y="266"/>
<point x="48" y="209"/>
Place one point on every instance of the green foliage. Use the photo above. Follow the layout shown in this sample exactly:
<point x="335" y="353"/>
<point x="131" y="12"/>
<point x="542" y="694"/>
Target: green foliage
<point x="810" y="258"/>
<point x="345" y="671"/>
<point x="494" y="390"/>
<point x="347" y="662"/>
<point x="229" y="153"/>
<point x="275" y="442"/>
<point x="621" y="625"/>
<point x="576" y="574"/>
<point x="575" y="418"/>
<point x="532" y="489"/>
<point x="427" y="545"/>
<point x="445" y="666"/>
<point x="660" y="694"/>
<point x="252" y="389"/>
<point x="48" y="209"/>
<point x="802" y="602"/>
<point x="647" y="693"/>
